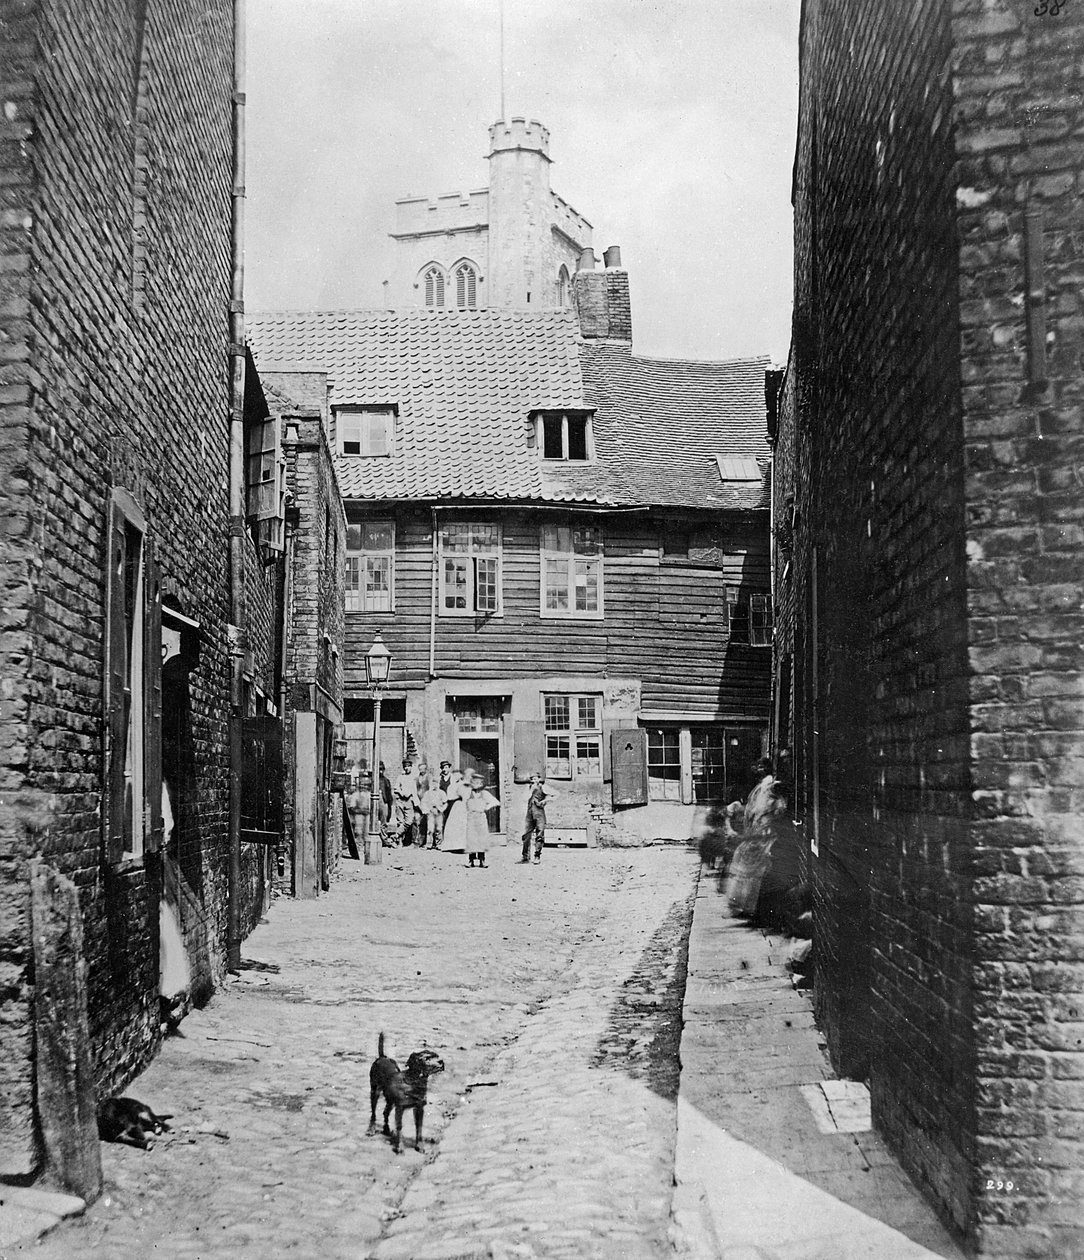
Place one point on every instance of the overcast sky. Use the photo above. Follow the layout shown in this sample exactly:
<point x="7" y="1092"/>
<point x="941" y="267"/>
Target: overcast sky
<point x="671" y="130"/>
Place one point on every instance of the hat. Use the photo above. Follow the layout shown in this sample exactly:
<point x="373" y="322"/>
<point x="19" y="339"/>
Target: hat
<point x="445" y="763"/>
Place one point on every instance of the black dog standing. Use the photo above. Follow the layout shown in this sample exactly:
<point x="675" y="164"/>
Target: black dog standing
<point x="402" y="1089"/>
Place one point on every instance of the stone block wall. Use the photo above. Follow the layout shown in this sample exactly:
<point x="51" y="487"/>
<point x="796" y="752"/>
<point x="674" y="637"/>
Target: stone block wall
<point x="114" y="302"/>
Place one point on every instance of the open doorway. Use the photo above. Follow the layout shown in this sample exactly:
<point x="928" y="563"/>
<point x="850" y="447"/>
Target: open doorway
<point x="482" y="755"/>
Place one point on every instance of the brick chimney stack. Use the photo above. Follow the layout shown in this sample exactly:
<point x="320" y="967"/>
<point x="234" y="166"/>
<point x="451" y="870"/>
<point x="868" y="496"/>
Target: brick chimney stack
<point x="602" y="297"/>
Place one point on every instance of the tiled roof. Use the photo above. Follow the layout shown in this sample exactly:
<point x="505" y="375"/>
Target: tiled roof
<point x="665" y="422"/>
<point x="465" y="382"/>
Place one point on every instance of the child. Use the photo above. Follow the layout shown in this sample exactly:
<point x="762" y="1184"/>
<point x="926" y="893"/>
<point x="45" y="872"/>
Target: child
<point x="536" y="820"/>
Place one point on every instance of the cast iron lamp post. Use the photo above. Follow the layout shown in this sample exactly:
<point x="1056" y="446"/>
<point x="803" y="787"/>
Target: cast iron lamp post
<point x="377" y="669"/>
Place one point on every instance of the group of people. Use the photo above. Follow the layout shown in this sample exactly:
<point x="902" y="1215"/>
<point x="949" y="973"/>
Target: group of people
<point x="763" y="875"/>
<point x="447" y="810"/>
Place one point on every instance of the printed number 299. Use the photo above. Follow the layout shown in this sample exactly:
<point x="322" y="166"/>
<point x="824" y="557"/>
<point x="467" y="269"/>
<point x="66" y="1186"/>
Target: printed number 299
<point x="991" y="1184"/>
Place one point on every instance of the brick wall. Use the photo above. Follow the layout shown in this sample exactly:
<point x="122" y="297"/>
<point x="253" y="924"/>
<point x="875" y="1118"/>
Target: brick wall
<point x="114" y="308"/>
<point x="314" y="648"/>
<point x="1019" y="116"/>
<point x="935" y="598"/>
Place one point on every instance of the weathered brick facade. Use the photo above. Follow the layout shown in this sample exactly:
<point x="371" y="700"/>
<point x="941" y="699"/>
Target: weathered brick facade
<point x="312" y="685"/>
<point x="933" y="605"/>
<point x="114" y="342"/>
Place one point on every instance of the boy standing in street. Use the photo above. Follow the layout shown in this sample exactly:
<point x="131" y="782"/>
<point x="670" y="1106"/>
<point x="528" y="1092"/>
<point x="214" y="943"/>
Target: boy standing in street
<point x="536" y="820"/>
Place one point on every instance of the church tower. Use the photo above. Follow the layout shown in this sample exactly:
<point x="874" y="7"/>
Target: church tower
<point x="515" y="244"/>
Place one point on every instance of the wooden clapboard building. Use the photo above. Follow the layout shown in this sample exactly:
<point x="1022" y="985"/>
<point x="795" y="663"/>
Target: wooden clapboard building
<point x="564" y="546"/>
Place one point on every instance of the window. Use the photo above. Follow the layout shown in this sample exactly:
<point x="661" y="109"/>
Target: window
<point x="434" y="286"/>
<point x="760" y="620"/>
<point x="573" y="727"/>
<point x="701" y="765"/>
<point x="664" y="764"/>
<point x="466" y="285"/>
<point x="749" y="620"/>
<point x="478" y="716"/>
<point x="571" y="571"/>
<point x="370" y="567"/>
<point x="565" y="435"/>
<point x="562" y="286"/>
<point x="470" y="568"/>
<point x="133" y="762"/>
<point x="366" y="431"/>
<point x="265" y="481"/>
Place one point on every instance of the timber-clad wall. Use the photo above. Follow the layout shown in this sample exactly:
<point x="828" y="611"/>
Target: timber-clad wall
<point x="664" y="616"/>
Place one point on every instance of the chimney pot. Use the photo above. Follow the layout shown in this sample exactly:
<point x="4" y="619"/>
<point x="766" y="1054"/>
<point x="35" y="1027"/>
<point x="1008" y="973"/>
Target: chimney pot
<point x="586" y="260"/>
<point x="612" y="256"/>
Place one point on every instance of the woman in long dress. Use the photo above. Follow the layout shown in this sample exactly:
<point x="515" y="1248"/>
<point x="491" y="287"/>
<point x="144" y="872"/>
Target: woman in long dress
<point x="455" y="822"/>
<point x="477" y="804"/>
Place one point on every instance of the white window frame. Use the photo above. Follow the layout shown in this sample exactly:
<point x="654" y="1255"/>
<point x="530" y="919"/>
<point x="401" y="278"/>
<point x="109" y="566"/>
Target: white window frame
<point x="575" y="562"/>
<point x="588" y="436"/>
<point x="573" y="732"/>
<point x="356" y="426"/>
<point x="465" y="275"/>
<point x="474" y="553"/>
<point x="356" y="597"/>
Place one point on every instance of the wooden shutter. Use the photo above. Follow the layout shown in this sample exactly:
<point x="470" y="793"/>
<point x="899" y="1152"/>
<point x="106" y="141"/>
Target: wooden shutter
<point x="530" y="750"/>
<point x="629" y="766"/>
<point x="152" y="696"/>
<point x="116" y="682"/>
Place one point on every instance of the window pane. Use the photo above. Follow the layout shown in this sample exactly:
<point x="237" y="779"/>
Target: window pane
<point x="378" y="583"/>
<point x="485" y="537"/>
<point x="455" y="582"/>
<point x="353" y="537"/>
<point x="485" y="584"/>
<point x="577" y="437"/>
<point x="353" y="584"/>
<point x="377" y="536"/>
<point x="587" y="713"/>
<point x="552" y="440"/>
<point x="585" y="540"/>
<point x="558" y="758"/>
<point x="708" y="763"/>
<point x="557" y="585"/>
<point x="455" y="537"/>
<point x="557" y="713"/>
<point x="587" y="586"/>
<point x="589" y="756"/>
<point x="379" y="427"/>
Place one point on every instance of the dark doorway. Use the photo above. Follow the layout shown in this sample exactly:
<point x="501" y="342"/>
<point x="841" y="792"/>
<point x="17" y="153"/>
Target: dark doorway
<point x="483" y="755"/>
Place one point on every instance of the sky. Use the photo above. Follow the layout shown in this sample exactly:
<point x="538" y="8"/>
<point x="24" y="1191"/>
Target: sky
<point x="671" y="125"/>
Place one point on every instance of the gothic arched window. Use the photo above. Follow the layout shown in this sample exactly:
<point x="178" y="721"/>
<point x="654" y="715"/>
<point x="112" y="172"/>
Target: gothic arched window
<point x="434" y="286"/>
<point x="466" y="285"/>
<point x="562" y="286"/>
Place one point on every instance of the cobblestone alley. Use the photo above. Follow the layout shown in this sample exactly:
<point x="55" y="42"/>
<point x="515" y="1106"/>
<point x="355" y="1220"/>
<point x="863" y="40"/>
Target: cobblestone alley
<point x="553" y="993"/>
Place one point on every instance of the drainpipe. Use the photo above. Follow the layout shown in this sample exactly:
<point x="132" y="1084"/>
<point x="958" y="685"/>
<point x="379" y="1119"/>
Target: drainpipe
<point x="237" y="486"/>
<point x="433" y="585"/>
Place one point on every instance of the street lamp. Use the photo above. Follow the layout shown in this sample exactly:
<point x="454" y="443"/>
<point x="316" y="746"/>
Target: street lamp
<point x="377" y="669"/>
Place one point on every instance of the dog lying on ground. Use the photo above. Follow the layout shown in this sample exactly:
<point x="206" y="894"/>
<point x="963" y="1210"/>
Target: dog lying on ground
<point x="402" y="1089"/>
<point x="129" y="1120"/>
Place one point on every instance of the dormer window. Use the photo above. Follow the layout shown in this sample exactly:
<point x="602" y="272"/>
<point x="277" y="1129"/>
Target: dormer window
<point x="366" y="431"/>
<point x="434" y="286"/>
<point x="565" y="435"/>
<point x="466" y="285"/>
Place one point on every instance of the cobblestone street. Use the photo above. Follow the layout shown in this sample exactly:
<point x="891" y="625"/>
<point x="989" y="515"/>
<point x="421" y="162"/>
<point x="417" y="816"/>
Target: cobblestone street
<point x="553" y="993"/>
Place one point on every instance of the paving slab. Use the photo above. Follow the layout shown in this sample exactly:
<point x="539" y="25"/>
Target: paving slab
<point x="761" y="1169"/>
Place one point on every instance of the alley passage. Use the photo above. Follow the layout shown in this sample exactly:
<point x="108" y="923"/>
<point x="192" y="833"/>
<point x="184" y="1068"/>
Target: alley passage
<point x="552" y="992"/>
